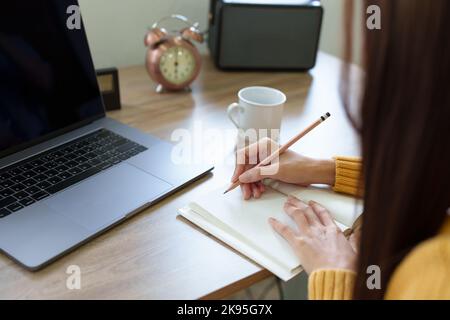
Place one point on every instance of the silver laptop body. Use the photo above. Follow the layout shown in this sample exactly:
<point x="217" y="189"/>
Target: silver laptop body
<point x="73" y="205"/>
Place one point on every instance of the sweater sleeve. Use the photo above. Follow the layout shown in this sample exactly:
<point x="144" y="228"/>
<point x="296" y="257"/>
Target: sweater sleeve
<point x="348" y="175"/>
<point x="423" y="274"/>
<point x="331" y="284"/>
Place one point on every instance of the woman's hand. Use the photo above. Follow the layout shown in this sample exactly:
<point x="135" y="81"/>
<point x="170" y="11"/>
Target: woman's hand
<point x="318" y="242"/>
<point x="291" y="168"/>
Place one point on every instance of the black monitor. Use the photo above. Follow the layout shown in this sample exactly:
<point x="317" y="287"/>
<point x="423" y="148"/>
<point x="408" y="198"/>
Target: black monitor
<point x="47" y="79"/>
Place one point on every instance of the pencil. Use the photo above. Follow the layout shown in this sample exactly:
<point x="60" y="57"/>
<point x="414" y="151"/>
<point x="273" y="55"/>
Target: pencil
<point x="285" y="147"/>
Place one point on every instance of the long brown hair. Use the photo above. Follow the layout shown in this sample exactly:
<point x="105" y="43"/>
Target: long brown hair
<point x="405" y="131"/>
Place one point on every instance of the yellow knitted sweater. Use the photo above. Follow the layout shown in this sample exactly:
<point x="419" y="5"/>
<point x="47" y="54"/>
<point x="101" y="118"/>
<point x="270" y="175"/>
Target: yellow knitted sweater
<point x="423" y="274"/>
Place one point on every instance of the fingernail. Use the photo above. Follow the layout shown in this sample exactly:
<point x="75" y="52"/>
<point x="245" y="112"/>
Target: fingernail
<point x="271" y="219"/>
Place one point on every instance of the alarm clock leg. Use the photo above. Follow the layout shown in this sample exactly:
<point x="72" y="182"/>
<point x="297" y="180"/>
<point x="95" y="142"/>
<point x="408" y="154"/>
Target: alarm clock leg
<point x="159" y="89"/>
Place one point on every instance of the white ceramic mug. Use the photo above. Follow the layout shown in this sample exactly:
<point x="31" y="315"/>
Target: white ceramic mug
<point x="258" y="108"/>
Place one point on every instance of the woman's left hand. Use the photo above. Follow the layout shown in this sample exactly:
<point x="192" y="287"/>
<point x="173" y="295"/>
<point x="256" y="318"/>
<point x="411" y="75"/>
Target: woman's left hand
<point x="318" y="241"/>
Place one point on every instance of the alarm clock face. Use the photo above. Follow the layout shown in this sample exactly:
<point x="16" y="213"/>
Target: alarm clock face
<point x="177" y="65"/>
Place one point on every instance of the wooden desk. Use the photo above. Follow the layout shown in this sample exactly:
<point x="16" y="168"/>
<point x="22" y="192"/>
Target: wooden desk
<point x="156" y="254"/>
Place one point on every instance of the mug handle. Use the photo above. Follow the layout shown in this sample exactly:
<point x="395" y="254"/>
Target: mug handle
<point x="231" y="111"/>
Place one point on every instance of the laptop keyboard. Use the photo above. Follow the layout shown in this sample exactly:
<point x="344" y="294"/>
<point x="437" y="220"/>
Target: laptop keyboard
<point x="36" y="178"/>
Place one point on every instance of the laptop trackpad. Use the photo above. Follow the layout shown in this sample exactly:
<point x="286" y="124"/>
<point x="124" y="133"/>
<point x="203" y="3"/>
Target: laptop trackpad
<point x="107" y="197"/>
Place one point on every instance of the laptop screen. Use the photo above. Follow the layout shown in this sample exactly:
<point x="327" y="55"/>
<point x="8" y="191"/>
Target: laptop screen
<point x="47" y="79"/>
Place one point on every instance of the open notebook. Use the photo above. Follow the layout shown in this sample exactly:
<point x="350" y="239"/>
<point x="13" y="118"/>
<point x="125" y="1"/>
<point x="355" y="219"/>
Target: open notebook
<point x="243" y="224"/>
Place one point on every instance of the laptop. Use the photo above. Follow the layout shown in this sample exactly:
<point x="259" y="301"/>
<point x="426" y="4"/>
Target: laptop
<point x="67" y="172"/>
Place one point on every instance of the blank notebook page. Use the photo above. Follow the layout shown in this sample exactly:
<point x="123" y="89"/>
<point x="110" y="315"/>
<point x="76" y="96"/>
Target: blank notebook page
<point x="250" y="220"/>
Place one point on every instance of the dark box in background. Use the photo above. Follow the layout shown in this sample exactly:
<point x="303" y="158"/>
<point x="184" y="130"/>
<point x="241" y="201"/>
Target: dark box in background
<point x="264" y="34"/>
<point x="108" y="82"/>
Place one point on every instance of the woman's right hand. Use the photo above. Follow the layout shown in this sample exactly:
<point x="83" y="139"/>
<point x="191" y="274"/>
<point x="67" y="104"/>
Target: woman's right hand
<point x="291" y="168"/>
